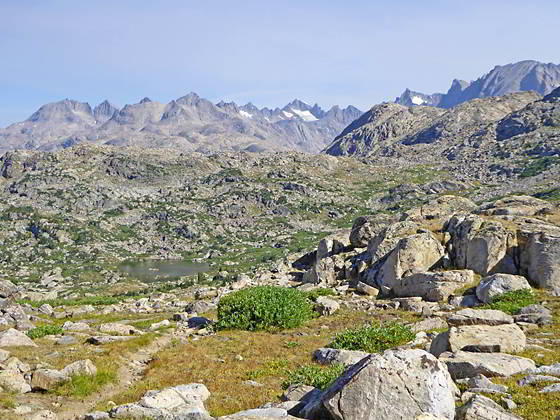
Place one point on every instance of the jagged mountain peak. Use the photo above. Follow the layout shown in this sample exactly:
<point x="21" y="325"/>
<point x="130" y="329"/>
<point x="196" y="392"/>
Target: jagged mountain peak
<point x="145" y="100"/>
<point x="504" y="79"/>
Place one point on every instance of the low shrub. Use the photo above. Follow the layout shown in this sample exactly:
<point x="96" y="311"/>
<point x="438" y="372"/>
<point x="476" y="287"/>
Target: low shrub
<point x="44" y="330"/>
<point x="512" y="302"/>
<point x="262" y="308"/>
<point x="314" y="375"/>
<point x="373" y="338"/>
<point x="314" y="294"/>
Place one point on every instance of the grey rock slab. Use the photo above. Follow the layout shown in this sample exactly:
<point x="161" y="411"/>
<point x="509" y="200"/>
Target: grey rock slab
<point x="328" y="356"/>
<point x="541" y="256"/>
<point x="479" y="317"/>
<point x="260" y="413"/>
<point x="464" y="364"/>
<point x="326" y="305"/>
<point x="14" y="381"/>
<point x="433" y="286"/>
<point x="80" y="367"/>
<point x="531" y="379"/>
<point x="379" y="387"/>
<point x="480" y="338"/>
<point x="483" y="408"/>
<point x="550" y="388"/>
<point x="97" y="415"/>
<point x="14" y="338"/>
<point x="481" y="381"/>
<point x="467" y="301"/>
<point x="104" y="339"/>
<point x="47" y="379"/>
<point x="497" y="284"/>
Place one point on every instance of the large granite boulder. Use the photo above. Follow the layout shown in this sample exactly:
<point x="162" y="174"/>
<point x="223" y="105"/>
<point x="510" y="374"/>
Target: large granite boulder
<point x="366" y="228"/>
<point x="481" y="245"/>
<point x="412" y="254"/>
<point x="480" y="338"/>
<point x="15" y="338"/>
<point x="540" y="258"/>
<point x="396" y="384"/>
<point x="433" y="286"/>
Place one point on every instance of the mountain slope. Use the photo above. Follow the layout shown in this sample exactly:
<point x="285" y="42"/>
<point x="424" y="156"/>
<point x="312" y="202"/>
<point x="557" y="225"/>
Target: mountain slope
<point x="501" y="80"/>
<point x="190" y="123"/>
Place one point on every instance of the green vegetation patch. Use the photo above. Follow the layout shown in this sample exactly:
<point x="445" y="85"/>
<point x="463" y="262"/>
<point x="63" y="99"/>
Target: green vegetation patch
<point x="538" y="166"/>
<point x="84" y="385"/>
<point x="373" y="338"/>
<point x="44" y="330"/>
<point x="263" y="308"/>
<point x="314" y="375"/>
<point x="512" y="302"/>
<point x="93" y="300"/>
<point x="323" y="291"/>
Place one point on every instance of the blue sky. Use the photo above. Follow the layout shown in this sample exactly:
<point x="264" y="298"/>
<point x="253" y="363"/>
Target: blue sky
<point x="330" y="52"/>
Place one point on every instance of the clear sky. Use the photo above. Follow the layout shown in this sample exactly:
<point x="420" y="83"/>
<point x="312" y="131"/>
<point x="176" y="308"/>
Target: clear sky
<point x="356" y="52"/>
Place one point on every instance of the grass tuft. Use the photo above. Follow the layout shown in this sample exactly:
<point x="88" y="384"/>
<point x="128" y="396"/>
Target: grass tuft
<point x="314" y="375"/>
<point x="512" y="302"/>
<point x="373" y="338"/>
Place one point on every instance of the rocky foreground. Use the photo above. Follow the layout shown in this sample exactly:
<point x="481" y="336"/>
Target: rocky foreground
<point x="438" y="268"/>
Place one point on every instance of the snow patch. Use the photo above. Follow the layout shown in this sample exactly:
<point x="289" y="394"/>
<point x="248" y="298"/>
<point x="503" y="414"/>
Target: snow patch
<point x="305" y="115"/>
<point x="288" y="114"/>
<point x="245" y="114"/>
<point x="417" y="100"/>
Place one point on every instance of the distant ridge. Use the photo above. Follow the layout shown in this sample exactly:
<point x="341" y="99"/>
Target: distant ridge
<point x="501" y="80"/>
<point x="189" y="123"/>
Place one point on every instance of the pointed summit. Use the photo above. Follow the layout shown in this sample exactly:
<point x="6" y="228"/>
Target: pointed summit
<point x="145" y="100"/>
<point x="104" y="111"/>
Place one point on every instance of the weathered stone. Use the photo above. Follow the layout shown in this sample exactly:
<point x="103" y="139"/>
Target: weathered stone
<point x="379" y="387"/>
<point x="481" y="245"/>
<point x="333" y="244"/>
<point x="104" y="339"/>
<point x="43" y="415"/>
<point x="550" y="388"/>
<point x="328" y="356"/>
<point x="531" y="379"/>
<point x="428" y="324"/>
<point x="483" y="408"/>
<point x="14" y="338"/>
<point x="464" y="364"/>
<point x="468" y="301"/>
<point x="433" y="286"/>
<point x="480" y="338"/>
<point x="199" y="307"/>
<point x="479" y="317"/>
<point x="259" y="413"/>
<point x="97" y="415"/>
<point x="13" y="381"/>
<point x="80" y="367"/>
<point x="412" y="254"/>
<point x="386" y="240"/>
<point x="366" y="289"/>
<point x="365" y="228"/>
<point x="540" y="318"/>
<point x="47" y="379"/>
<point x="482" y="382"/>
<point x="118" y="328"/>
<point x="75" y="326"/>
<point x="497" y="284"/>
<point x="322" y="272"/>
<point x="7" y="289"/>
<point x="326" y="306"/>
<point x="442" y="206"/>
<point x="541" y="259"/>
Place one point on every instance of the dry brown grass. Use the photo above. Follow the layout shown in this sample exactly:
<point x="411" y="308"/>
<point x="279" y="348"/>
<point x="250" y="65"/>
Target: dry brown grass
<point x="266" y="359"/>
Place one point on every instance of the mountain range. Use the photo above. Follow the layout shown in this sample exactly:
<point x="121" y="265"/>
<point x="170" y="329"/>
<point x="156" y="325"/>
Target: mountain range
<point x="190" y="123"/>
<point x="501" y="80"/>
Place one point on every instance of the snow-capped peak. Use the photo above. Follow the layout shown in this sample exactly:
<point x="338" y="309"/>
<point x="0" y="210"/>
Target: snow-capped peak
<point x="245" y="114"/>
